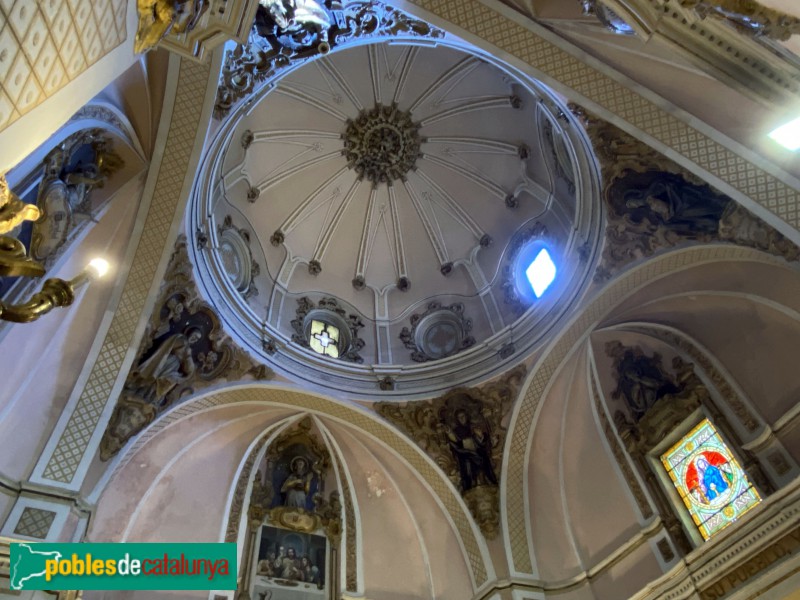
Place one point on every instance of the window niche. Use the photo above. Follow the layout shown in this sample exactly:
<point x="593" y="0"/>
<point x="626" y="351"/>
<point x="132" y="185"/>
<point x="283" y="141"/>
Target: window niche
<point x="328" y="329"/>
<point x="698" y="476"/>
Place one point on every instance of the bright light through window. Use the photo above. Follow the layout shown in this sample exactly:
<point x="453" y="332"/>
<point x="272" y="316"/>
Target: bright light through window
<point x="541" y="272"/>
<point x="788" y="135"/>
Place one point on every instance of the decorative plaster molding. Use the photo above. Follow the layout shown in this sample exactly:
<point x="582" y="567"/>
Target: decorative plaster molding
<point x="50" y="44"/>
<point x="263" y="58"/>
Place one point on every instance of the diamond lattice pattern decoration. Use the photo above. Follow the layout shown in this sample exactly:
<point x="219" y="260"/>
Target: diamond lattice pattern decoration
<point x="712" y="485"/>
<point x="46" y="44"/>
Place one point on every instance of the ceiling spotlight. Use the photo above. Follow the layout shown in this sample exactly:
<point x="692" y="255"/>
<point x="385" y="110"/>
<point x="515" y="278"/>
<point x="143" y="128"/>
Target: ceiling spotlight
<point x="788" y="135"/>
<point x="541" y="272"/>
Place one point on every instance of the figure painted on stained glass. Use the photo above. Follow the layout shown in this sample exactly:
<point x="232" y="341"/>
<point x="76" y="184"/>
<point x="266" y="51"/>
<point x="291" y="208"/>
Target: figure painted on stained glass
<point x="471" y="446"/>
<point x="714" y="488"/>
<point x="706" y="480"/>
<point x="297" y="485"/>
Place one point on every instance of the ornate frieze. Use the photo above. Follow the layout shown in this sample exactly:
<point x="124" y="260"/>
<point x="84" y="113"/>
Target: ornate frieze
<point x="653" y="204"/>
<point x="266" y="54"/>
<point x="183" y="350"/>
<point x="463" y="432"/>
<point x="439" y="332"/>
<point x="782" y="548"/>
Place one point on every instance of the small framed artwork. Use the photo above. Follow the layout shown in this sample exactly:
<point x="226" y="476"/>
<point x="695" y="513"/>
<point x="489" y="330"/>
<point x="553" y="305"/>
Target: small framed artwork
<point x="290" y="565"/>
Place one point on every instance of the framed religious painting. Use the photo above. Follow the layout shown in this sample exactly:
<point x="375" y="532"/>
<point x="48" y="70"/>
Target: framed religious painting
<point x="290" y="565"/>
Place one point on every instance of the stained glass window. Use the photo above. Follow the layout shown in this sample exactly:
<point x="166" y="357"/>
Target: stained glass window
<point x="324" y="338"/>
<point x="708" y="478"/>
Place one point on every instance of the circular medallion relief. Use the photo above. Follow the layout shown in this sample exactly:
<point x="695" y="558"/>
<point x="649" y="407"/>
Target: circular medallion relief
<point x="440" y="334"/>
<point x="235" y="258"/>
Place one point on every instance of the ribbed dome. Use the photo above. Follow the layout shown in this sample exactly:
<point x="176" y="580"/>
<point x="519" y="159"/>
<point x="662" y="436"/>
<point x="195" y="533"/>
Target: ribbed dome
<point x="394" y="185"/>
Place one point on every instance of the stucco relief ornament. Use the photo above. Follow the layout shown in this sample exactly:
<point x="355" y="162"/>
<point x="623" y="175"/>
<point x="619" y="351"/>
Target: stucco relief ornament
<point x="748" y="16"/>
<point x="439" y="332"/>
<point x="610" y="20"/>
<point x="271" y="49"/>
<point x="382" y="144"/>
<point x="71" y="171"/>
<point x="464" y="433"/>
<point x="183" y="350"/>
<point x="297" y="24"/>
<point x="654" y="204"/>
<point x="237" y="257"/>
<point x="329" y="309"/>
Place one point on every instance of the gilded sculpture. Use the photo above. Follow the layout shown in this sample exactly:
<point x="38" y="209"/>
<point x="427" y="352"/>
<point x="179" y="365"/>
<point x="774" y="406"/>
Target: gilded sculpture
<point x="183" y="350"/>
<point x="464" y="432"/>
<point x="14" y="259"/>
<point x="157" y="18"/>
<point x="13" y="211"/>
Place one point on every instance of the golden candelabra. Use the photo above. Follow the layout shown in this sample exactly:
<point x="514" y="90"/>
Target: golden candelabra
<point x="15" y="262"/>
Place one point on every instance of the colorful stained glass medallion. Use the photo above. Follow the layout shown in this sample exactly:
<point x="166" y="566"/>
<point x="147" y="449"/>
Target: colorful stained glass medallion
<point x="708" y="478"/>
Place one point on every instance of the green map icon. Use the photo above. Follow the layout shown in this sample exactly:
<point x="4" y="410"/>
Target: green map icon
<point x="28" y="564"/>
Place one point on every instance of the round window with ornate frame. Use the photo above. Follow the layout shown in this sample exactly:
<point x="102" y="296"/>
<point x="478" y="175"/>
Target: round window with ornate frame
<point x="327" y="333"/>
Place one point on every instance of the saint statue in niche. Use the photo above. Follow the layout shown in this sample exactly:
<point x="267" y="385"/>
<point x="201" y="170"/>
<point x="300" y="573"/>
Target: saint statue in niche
<point x="297" y="485"/>
<point x="471" y="448"/>
<point x="641" y="380"/>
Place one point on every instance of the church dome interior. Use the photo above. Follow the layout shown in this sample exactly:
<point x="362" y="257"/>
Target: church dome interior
<point x="405" y="201"/>
<point x="406" y="300"/>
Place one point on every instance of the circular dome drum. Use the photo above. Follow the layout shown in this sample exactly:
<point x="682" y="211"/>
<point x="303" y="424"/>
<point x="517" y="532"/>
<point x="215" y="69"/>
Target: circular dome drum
<point x="396" y="186"/>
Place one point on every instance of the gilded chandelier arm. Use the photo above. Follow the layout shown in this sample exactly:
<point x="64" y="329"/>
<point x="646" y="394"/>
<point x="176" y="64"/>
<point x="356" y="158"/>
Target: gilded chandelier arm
<point x="54" y="293"/>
